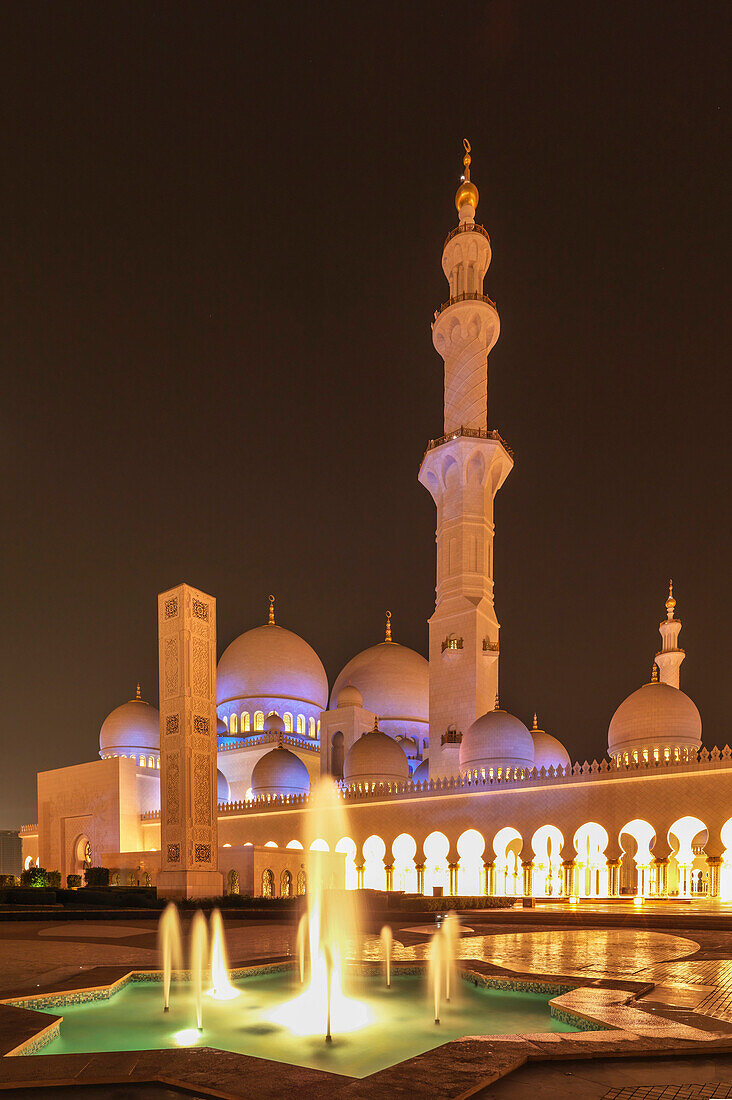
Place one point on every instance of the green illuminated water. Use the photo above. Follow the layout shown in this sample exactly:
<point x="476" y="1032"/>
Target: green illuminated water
<point x="401" y="1024"/>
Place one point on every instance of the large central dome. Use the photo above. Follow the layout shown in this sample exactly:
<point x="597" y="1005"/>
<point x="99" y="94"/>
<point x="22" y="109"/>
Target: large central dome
<point x="394" y="683"/>
<point x="270" y="661"/>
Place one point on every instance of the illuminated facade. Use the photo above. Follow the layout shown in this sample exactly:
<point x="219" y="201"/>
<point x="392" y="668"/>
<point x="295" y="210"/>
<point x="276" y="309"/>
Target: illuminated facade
<point x="444" y="789"/>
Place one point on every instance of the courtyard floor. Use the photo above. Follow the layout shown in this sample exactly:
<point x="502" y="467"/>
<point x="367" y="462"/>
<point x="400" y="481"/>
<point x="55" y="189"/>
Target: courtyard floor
<point x="681" y="980"/>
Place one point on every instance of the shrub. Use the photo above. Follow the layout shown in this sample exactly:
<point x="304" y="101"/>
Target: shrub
<point x="96" y="876"/>
<point x="34" y="876"/>
<point x="446" y="903"/>
<point x="8" y="880"/>
<point x="54" y="879"/>
<point x="73" y="881"/>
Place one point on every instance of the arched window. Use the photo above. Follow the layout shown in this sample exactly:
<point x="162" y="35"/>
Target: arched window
<point x="336" y="755"/>
<point x="151" y="762"/>
<point x="244" y="727"/>
<point x="311" y="727"/>
<point x="301" y="724"/>
<point x="142" y="761"/>
<point x="259" y="719"/>
<point x="232" y="725"/>
<point x="286" y="884"/>
<point x="318" y="728"/>
<point x="157" y="763"/>
<point x="287" y="719"/>
<point x="268" y="883"/>
<point x="302" y="882"/>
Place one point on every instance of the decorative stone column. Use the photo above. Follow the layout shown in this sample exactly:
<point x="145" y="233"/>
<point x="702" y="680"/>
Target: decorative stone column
<point x="420" y="868"/>
<point x="489" y="868"/>
<point x="714" y="865"/>
<point x="613" y="877"/>
<point x="189" y="825"/>
<point x="570" y="878"/>
<point x="661" y="876"/>
<point x="453" y="868"/>
<point x="528" y="867"/>
<point x="389" y="868"/>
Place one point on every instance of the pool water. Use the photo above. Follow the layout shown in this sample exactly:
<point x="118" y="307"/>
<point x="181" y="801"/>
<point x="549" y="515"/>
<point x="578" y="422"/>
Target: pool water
<point x="399" y="1024"/>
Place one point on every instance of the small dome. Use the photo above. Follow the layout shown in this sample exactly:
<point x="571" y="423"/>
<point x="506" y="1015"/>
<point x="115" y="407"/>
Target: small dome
<point x="280" y="772"/>
<point x="130" y="729"/>
<point x="223" y="793"/>
<point x="467" y="192"/>
<point x="548" y="751"/>
<point x="422" y="773"/>
<point x="349" y="696"/>
<point x="270" y="661"/>
<point x="409" y="745"/>
<point x="657" y="715"/>
<point x="375" y="758"/>
<point x="393" y="681"/>
<point x="496" y="740"/>
<point x="273" y="723"/>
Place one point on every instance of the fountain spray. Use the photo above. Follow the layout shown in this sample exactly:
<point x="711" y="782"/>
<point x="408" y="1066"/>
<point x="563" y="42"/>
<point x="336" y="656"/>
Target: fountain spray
<point x="328" y="956"/>
<point x="386" y="944"/>
<point x="221" y="987"/>
<point x="451" y="934"/>
<point x="437" y="949"/>
<point x="199" y="944"/>
<point x="301" y="934"/>
<point x="169" y="942"/>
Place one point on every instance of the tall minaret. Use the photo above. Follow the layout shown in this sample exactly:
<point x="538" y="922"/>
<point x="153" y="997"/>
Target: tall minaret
<point x="463" y="471"/>
<point x="670" y="658"/>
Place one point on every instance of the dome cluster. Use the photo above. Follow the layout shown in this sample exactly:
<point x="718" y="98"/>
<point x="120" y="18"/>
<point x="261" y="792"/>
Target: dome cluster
<point x="658" y="722"/>
<point x="375" y="758"/>
<point x="500" y="744"/>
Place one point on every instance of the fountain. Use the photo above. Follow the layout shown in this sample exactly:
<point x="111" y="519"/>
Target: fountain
<point x="199" y="944"/>
<point x="451" y="934"/>
<point x="221" y="987"/>
<point x="169" y="943"/>
<point x="386" y="945"/>
<point x="300" y="945"/>
<point x="436" y="971"/>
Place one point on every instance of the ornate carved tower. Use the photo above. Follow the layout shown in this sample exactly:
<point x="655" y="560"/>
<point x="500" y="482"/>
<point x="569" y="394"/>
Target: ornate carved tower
<point x="670" y="657"/>
<point x="463" y="471"/>
<point x="187" y="662"/>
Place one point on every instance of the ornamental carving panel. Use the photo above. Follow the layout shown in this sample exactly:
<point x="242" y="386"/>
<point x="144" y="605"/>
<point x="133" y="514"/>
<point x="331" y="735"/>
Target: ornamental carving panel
<point x="171" y="666"/>
<point x="172" y="723"/>
<point x="172" y="788"/>
<point x="201" y="788"/>
<point x="171" y="608"/>
<point x="174" y="853"/>
<point x="203" y="853"/>
<point x="200" y="684"/>
<point x="200" y="610"/>
<point x="200" y="724"/>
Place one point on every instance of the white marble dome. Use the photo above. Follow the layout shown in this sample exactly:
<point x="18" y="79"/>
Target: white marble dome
<point x="349" y="696"/>
<point x="280" y="772"/>
<point x="132" y="729"/>
<point x="496" y="740"/>
<point x="273" y="723"/>
<point x="394" y="684"/>
<point x="549" y="752"/>
<point x="656" y="716"/>
<point x="375" y="758"/>
<point x="223" y="793"/>
<point x="422" y="773"/>
<point x="270" y="668"/>
<point x="408" y="745"/>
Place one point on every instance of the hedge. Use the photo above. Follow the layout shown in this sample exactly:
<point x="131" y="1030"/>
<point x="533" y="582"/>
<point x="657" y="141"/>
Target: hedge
<point x="28" y="895"/>
<point x="8" y="880"/>
<point x="96" y="876"/>
<point x="73" y="881"/>
<point x="34" y="876"/>
<point x="446" y="903"/>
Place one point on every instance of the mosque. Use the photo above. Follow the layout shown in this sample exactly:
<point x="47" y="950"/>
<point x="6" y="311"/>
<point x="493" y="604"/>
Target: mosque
<point x="444" y="790"/>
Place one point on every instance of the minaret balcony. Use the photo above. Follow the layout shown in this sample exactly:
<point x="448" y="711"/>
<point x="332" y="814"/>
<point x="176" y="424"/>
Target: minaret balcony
<point x="466" y="227"/>
<point x="466" y="296"/>
<point x="472" y="433"/>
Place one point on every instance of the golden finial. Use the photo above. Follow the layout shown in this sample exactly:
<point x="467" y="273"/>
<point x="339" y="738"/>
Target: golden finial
<point x="654" y="673"/>
<point x="497" y="703"/>
<point x="271" y="611"/>
<point x="281" y="740"/>
<point x="467" y="192"/>
<point x="670" y="602"/>
<point x="376" y="724"/>
<point x="387" y="638"/>
<point x="536" y="722"/>
<point x="139" y="693"/>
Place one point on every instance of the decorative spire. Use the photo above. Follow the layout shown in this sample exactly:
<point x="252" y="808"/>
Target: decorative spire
<point x="271" y="611"/>
<point x="467" y="192"/>
<point x="536" y="722"/>
<point x="670" y="602"/>
<point x="497" y="704"/>
<point x="387" y="637"/>
<point x="654" y="673"/>
<point x="139" y="693"/>
<point x="281" y="740"/>
<point x="376" y="724"/>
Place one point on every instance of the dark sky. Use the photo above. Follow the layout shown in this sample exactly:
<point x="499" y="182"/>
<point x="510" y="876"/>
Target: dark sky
<point x="220" y="256"/>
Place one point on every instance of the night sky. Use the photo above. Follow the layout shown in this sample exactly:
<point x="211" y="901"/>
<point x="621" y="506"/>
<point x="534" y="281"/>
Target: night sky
<point x="220" y="256"/>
